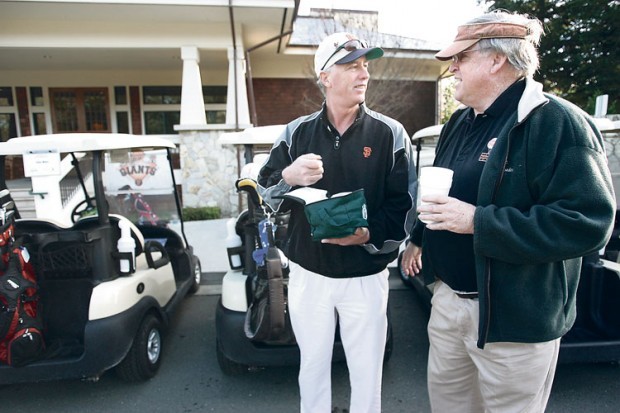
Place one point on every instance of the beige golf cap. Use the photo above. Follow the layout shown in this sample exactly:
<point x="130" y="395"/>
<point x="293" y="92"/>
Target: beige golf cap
<point x="340" y="48"/>
<point x="470" y="34"/>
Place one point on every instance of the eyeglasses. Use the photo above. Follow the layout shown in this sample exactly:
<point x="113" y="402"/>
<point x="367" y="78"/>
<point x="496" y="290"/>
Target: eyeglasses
<point x="349" y="46"/>
<point x="458" y="58"/>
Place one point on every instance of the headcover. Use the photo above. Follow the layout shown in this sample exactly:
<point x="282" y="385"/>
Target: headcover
<point x="336" y="216"/>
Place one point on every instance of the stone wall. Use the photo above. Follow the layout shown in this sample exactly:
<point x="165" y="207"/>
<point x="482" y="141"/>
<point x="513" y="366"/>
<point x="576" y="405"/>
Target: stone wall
<point x="209" y="171"/>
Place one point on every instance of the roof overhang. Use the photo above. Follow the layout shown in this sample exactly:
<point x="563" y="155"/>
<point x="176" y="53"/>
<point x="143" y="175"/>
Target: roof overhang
<point x="80" y="142"/>
<point x="129" y="35"/>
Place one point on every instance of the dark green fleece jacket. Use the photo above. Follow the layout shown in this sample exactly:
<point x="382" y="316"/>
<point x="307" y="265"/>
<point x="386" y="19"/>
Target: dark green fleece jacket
<point x="545" y="199"/>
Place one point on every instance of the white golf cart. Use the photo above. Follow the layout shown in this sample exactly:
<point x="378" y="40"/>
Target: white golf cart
<point x="256" y="262"/>
<point x="102" y="306"/>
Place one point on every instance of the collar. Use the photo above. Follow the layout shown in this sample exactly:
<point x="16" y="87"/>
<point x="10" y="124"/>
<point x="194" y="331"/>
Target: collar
<point x="508" y="100"/>
<point x="361" y="112"/>
<point x="532" y="98"/>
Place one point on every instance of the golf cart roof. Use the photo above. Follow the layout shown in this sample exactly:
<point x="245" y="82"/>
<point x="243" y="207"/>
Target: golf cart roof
<point x="428" y="132"/>
<point x="258" y="135"/>
<point x="606" y="126"/>
<point x="80" y="142"/>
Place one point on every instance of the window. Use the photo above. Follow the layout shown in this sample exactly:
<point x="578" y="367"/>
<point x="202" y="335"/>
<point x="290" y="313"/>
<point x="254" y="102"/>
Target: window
<point x="161" y="95"/>
<point x="8" y="126"/>
<point x="36" y="96"/>
<point x="8" y="118"/>
<point x="120" y="95"/>
<point x="161" y="122"/>
<point x="39" y="125"/>
<point x="214" y="94"/>
<point x="122" y="122"/>
<point x="80" y="110"/>
<point x="216" y="116"/>
<point x="162" y="107"/>
<point x="6" y="96"/>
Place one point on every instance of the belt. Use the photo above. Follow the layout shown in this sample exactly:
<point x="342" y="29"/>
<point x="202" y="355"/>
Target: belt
<point x="469" y="296"/>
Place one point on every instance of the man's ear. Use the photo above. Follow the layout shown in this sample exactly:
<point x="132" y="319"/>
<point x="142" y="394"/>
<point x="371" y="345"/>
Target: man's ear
<point x="325" y="79"/>
<point x="499" y="61"/>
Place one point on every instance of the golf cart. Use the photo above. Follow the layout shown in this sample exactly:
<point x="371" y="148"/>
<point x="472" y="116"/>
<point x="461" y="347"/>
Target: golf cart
<point x="595" y="336"/>
<point x="258" y="269"/>
<point x="107" y="247"/>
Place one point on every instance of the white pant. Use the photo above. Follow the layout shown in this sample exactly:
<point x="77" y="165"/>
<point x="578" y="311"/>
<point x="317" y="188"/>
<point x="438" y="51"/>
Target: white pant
<point x="359" y="304"/>
<point x="504" y="377"/>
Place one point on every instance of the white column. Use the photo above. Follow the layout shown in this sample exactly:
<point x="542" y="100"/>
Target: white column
<point x="192" y="102"/>
<point x="237" y="106"/>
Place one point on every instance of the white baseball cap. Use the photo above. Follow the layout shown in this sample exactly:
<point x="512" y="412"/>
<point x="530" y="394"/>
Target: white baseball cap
<point x="341" y="48"/>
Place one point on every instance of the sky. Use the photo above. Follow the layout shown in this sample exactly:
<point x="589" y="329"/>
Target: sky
<point x="434" y="20"/>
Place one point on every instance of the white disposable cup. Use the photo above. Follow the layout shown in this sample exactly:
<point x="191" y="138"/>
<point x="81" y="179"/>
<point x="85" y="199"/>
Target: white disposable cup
<point x="433" y="181"/>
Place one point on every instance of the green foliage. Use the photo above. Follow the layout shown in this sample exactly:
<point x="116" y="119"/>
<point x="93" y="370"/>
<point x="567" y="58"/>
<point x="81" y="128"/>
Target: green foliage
<point x="201" y="213"/>
<point x="448" y="103"/>
<point x="579" y="52"/>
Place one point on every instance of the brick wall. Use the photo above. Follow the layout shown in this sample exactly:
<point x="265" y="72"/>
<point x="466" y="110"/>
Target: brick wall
<point x="136" y="115"/>
<point x="282" y="100"/>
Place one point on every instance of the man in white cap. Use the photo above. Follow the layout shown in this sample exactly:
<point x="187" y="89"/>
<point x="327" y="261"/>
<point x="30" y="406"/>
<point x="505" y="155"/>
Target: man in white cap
<point x="343" y="147"/>
<point x="531" y="194"/>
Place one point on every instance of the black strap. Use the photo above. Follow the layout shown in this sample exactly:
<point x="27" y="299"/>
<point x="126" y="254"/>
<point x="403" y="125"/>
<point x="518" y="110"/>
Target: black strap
<point x="276" y="290"/>
<point x="42" y="240"/>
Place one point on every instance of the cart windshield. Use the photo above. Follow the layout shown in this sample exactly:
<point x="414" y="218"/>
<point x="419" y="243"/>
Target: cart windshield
<point x="138" y="185"/>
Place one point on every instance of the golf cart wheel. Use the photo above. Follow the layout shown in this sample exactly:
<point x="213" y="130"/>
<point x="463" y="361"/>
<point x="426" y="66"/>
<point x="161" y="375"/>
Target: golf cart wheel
<point x="403" y="277"/>
<point x="228" y="367"/>
<point x="144" y="357"/>
<point x="197" y="277"/>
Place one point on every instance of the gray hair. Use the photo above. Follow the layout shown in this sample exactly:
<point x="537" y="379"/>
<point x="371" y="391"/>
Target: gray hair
<point x="319" y="83"/>
<point x="522" y="54"/>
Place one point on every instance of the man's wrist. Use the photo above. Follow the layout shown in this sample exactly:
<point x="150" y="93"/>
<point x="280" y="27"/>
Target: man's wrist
<point x="286" y="177"/>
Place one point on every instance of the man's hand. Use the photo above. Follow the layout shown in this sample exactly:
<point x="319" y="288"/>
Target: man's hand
<point x="359" y="237"/>
<point x="411" y="261"/>
<point x="304" y="171"/>
<point x="448" y="214"/>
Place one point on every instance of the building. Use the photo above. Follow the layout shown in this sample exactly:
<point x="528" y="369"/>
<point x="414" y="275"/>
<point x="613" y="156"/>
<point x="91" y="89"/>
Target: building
<point x="188" y="70"/>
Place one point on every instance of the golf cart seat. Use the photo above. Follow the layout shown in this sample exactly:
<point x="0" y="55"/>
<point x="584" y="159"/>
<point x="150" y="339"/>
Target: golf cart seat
<point x="92" y="221"/>
<point x="82" y="251"/>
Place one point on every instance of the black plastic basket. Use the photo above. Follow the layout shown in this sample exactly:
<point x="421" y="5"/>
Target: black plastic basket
<point x="64" y="261"/>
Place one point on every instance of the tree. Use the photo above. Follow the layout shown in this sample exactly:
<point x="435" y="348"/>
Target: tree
<point x="448" y="103"/>
<point x="579" y="52"/>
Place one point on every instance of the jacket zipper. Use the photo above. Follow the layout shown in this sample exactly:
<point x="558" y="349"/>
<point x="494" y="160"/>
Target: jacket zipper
<point x="484" y="328"/>
<point x="483" y="333"/>
<point x="336" y="136"/>
<point x="337" y="142"/>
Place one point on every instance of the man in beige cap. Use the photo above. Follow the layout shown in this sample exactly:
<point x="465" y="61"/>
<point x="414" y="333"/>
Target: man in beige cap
<point x="531" y="193"/>
<point x="343" y="147"/>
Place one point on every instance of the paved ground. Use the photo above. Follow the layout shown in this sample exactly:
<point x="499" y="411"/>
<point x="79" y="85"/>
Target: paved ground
<point x="207" y="238"/>
<point x="190" y="380"/>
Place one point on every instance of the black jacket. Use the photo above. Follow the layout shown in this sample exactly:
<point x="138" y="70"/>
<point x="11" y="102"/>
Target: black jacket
<point x="375" y="154"/>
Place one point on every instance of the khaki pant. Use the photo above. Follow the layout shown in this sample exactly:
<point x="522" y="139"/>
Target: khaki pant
<point x="360" y="305"/>
<point x="504" y="377"/>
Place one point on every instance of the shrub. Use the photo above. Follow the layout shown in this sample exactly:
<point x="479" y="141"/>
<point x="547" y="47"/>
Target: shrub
<point x="201" y="213"/>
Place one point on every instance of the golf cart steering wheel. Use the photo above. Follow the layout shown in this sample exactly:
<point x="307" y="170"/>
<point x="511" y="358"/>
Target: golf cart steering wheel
<point x="84" y="208"/>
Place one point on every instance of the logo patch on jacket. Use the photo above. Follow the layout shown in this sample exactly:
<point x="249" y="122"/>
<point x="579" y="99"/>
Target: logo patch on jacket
<point x="485" y="155"/>
<point x="367" y="151"/>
